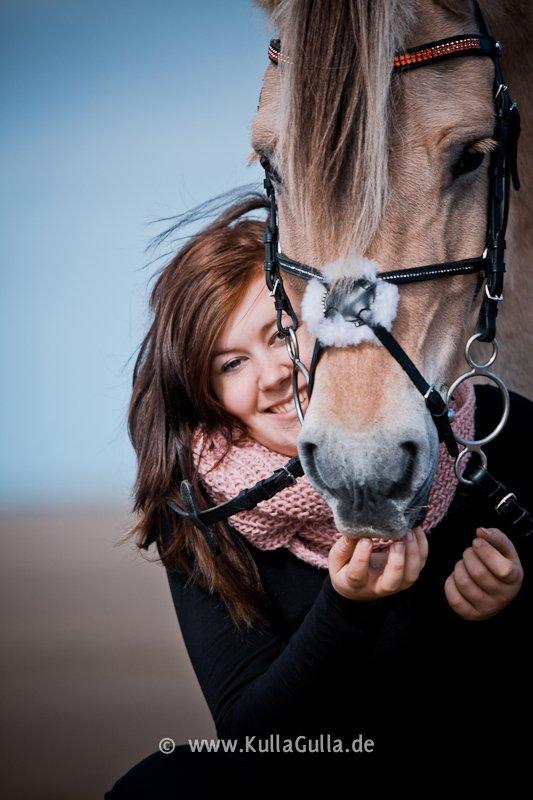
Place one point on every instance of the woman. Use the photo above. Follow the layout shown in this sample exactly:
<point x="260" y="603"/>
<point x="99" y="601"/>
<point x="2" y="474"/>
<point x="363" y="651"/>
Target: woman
<point x="295" y="629"/>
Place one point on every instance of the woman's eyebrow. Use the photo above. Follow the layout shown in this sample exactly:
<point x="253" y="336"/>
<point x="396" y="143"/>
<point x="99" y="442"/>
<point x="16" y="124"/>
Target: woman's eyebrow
<point x="264" y="328"/>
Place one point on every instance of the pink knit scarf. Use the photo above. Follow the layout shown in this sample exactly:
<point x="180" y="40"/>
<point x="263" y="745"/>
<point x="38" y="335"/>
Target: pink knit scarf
<point x="298" y="518"/>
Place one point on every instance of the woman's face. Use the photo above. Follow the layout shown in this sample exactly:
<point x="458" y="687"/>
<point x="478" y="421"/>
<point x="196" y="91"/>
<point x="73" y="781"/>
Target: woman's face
<point x="251" y="369"/>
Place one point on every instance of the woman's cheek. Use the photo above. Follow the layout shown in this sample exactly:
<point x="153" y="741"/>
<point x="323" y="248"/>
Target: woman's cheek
<point x="238" y="397"/>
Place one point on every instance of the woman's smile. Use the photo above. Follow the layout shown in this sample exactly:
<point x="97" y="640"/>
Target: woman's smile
<point x="287" y="408"/>
<point x="252" y="370"/>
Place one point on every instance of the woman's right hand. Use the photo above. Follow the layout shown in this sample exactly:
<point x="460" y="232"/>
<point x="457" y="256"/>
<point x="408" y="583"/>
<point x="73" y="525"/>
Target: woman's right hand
<point x="358" y="574"/>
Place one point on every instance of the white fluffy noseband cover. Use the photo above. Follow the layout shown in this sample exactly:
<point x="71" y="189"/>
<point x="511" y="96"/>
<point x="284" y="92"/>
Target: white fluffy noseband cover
<point x="352" y="285"/>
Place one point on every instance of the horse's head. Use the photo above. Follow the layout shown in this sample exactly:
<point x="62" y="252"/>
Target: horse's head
<point x="393" y="167"/>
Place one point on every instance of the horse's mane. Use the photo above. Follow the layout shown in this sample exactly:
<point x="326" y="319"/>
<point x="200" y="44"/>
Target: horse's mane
<point x="335" y="111"/>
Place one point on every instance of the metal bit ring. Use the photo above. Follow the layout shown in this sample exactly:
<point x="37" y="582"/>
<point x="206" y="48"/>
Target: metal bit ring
<point x="486" y="364"/>
<point x="459" y="458"/>
<point x="291" y="343"/>
<point x="475" y="373"/>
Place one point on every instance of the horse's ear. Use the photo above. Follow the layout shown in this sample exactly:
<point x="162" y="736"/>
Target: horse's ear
<point x="269" y="5"/>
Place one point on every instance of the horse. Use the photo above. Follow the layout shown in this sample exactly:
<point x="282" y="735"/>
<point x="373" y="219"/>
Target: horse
<point x="393" y="168"/>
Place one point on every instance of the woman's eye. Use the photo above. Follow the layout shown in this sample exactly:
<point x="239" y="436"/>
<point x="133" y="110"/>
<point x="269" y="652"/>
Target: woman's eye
<point x="231" y="366"/>
<point x="278" y="338"/>
<point x="470" y="161"/>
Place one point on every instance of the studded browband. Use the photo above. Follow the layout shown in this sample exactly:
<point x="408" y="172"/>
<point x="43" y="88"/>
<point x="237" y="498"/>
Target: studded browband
<point x="471" y="44"/>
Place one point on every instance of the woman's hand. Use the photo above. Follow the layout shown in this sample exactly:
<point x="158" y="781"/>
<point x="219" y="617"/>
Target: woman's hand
<point x="358" y="574"/>
<point x="487" y="578"/>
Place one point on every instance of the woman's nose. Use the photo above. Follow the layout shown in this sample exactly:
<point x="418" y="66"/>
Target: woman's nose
<point x="273" y="372"/>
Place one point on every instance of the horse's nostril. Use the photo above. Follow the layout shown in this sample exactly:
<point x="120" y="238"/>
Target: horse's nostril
<point x="308" y="456"/>
<point x="407" y="468"/>
<point x="411" y="450"/>
<point x="327" y="480"/>
<point x="364" y="492"/>
<point x="307" y="453"/>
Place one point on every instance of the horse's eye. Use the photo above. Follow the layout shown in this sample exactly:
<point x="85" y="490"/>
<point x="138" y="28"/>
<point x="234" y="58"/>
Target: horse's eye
<point x="469" y="161"/>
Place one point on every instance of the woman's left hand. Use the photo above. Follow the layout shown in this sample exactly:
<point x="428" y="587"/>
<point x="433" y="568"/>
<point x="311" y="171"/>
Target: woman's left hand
<point x="487" y="578"/>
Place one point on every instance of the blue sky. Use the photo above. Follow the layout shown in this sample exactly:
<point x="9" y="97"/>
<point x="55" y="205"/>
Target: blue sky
<point x="113" y="114"/>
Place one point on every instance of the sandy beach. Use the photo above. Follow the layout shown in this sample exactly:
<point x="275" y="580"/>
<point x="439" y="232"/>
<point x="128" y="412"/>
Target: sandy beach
<point x="95" y="670"/>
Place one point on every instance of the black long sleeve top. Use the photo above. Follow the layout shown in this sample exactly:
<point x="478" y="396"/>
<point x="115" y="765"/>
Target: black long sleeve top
<point x="404" y="669"/>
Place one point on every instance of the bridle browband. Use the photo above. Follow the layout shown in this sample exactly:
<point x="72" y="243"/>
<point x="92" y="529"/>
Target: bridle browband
<point x="490" y="267"/>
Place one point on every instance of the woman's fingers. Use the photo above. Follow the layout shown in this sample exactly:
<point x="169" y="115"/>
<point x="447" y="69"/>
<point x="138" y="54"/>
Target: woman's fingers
<point x="341" y="552"/>
<point x="457" y="601"/>
<point x="498" y="554"/>
<point x="356" y="572"/>
<point x="480" y="573"/>
<point x="413" y="559"/>
<point x="406" y="560"/>
<point x="355" y="575"/>
<point x="423" y="545"/>
<point x="392" y="576"/>
<point x="470" y="590"/>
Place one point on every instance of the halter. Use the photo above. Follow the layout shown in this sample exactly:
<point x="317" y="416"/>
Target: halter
<point x="357" y="308"/>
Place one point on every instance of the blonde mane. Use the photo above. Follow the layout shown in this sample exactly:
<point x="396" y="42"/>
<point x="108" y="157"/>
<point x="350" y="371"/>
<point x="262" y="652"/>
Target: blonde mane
<point x="336" y="101"/>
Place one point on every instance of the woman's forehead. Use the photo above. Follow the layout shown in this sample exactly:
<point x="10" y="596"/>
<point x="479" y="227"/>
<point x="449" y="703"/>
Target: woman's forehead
<point x="254" y="311"/>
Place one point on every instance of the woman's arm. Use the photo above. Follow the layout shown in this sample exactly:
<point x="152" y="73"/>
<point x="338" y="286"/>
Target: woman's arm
<point x="257" y="682"/>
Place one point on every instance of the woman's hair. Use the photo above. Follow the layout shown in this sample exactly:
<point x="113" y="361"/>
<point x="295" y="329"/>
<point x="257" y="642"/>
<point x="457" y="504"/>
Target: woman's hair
<point x="191" y="301"/>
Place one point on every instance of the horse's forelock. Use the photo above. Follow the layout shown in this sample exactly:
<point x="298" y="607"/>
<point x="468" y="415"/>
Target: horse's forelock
<point x="335" y="107"/>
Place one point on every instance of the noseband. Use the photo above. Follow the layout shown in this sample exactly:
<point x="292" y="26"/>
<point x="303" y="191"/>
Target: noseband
<point x="354" y="302"/>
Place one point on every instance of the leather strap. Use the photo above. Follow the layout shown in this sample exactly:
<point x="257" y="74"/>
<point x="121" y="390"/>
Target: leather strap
<point x="465" y="266"/>
<point x="246" y="499"/>
<point x="515" y="518"/>
<point x="195" y="516"/>
<point x="434" y="401"/>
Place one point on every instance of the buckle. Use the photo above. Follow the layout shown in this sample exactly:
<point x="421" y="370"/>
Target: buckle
<point x="502" y="87"/>
<point x="497" y="297"/>
<point x="287" y="472"/>
<point x="274" y="288"/>
<point x="507" y="497"/>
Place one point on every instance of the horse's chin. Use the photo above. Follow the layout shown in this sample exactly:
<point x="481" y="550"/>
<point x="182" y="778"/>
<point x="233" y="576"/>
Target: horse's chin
<point x="392" y="526"/>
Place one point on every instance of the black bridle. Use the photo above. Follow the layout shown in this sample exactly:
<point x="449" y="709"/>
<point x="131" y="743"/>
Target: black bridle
<point x="490" y="267"/>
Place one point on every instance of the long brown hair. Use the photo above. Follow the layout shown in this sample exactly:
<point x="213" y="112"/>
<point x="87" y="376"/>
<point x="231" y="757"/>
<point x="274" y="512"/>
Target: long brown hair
<point x="193" y="296"/>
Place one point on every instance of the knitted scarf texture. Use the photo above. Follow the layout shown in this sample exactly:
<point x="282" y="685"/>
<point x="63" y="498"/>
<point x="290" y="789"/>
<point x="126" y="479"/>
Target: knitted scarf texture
<point x="298" y="518"/>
